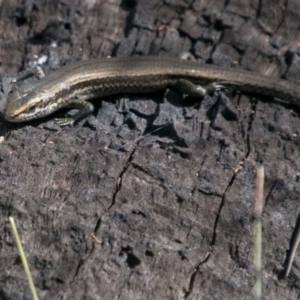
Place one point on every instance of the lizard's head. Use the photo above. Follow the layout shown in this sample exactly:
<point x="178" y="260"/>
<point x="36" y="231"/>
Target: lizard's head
<point x="23" y="104"/>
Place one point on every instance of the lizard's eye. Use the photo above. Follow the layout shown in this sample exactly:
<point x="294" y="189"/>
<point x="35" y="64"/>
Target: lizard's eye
<point x="31" y="109"/>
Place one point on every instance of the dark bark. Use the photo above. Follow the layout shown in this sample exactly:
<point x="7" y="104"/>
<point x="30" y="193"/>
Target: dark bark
<point x="145" y="199"/>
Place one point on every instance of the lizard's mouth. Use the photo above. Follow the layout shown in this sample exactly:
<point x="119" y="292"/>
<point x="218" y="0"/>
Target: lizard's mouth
<point x="13" y="114"/>
<point x="10" y="115"/>
<point x="13" y="117"/>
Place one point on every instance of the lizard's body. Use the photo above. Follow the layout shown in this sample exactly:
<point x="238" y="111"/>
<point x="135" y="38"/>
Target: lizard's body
<point x="72" y="85"/>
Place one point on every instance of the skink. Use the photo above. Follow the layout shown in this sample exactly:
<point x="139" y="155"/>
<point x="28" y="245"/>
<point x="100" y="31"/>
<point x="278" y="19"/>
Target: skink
<point x="74" y="84"/>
